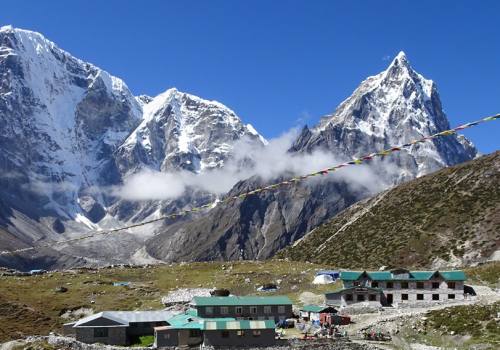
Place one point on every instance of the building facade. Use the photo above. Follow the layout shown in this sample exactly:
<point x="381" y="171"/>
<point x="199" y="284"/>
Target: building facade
<point x="397" y="287"/>
<point x="276" y="308"/>
<point x="239" y="333"/>
<point x="119" y="327"/>
<point x="191" y="329"/>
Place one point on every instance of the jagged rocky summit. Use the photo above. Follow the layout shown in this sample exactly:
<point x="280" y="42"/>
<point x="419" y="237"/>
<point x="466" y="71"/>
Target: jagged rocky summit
<point x="70" y="132"/>
<point x="390" y="108"/>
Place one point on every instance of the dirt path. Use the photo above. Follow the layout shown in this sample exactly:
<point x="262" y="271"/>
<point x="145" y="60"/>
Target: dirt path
<point x="485" y="295"/>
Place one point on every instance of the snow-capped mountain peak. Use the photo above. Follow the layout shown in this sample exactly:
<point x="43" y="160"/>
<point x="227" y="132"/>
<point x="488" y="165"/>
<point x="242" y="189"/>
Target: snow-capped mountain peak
<point x="393" y="107"/>
<point x="399" y="87"/>
<point x="183" y="131"/>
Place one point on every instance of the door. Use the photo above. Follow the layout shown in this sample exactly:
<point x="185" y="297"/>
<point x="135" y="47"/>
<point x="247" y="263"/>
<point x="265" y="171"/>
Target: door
<point x="389" y="299"/>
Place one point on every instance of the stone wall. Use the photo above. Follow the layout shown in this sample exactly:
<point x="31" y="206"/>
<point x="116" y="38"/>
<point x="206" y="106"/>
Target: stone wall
<point x="116" y="336"/>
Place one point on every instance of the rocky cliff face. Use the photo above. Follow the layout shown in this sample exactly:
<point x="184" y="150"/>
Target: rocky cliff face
<point x="391" y="108"/>
<point x="61" y="121"/>
<point x="70" y="133"/>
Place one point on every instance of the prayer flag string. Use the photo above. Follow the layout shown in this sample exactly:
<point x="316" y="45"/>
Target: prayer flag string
<point x="271" y="187"/>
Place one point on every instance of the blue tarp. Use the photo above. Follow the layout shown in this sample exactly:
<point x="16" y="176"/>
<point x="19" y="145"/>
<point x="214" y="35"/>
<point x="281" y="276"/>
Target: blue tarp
<point x="121" y="284"/>
<point x="333" y="273"/>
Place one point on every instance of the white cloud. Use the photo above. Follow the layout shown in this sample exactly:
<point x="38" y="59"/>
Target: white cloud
<point x="268" y="162"/>
<point x="152" y="185"/>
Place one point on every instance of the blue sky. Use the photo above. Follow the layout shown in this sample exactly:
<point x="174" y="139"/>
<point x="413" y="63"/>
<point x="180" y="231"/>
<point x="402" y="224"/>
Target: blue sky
<point x="282" y="63"/>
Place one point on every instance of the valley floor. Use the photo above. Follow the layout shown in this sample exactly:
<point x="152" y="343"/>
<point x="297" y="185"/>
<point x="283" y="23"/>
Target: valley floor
<point x="38" y="305"/>
<point x="407" y="326"/>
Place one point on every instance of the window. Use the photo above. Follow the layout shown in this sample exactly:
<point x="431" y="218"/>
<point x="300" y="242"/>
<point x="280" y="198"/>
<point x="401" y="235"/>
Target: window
<point x="451" y="285"/>
<point x="356" y="283"/>
<point x="435" y="296"/>
<point x="267" y="309"/>
<point x="224" y="334"/>
<point x="256" y="333"/>
<point x="240" y="333"/>
<point x="194" y="333"/>
<point x="435" y="285"/>
<point x="281" y="309"/>
<point x="224" y="310"/>
<point x="420" y="285"/>
<point x="166" y="336"/>
<point x="420" y="297"/>
<point x="390" y="285"/>
<point x="100" y="332"/>
<point x="239" y="310"/>
<point x="209" y="310"/>
<point x="348" y="297"/>
<point x="404" y="285"/>
<point x="404" y="296"/>
<point x="253" y="309"/>
<point x="372" y="297"/>
<point x="360" y="297"/>
<point x="374" y="284"/>
<point x="451" y="296"/>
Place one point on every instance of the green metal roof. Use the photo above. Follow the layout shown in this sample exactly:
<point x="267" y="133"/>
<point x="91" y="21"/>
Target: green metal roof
<point x="413" y="275"/>
<point x="453" y="275"/>
<point x="312" y="308"/>
<point x="237" y="325"/>
<point x="181" y="319"/>
<point x="237" y="301"/>
<point x="350" y="275"/>
<point x="192" y="312"/>
<point x="380" y="275"/>
<point x="188" y="321"/>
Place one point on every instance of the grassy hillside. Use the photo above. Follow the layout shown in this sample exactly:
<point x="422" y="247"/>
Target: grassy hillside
<point x="487" y="274"/>
<point x="30" y="305"/>
<point x="448" y="215"/>
<point x="457" y="327"/>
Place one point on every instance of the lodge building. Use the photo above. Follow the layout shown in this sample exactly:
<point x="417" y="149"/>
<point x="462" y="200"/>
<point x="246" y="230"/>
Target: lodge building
<point x="276" y="308"/>
<point x="397" y="287"/>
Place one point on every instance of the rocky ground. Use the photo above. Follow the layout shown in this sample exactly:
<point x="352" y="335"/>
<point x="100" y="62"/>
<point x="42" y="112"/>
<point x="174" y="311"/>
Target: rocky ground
<point x="37" y="305"/>
<point x="406" y="325"/>
<point x="184" y="295"/>
<point x="53" y="342"/>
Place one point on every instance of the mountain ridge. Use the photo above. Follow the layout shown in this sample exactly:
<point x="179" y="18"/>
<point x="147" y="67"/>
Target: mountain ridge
<point x="449" y="217"/>
<point x="77" y="130"/>
<point x="259" y="225"/>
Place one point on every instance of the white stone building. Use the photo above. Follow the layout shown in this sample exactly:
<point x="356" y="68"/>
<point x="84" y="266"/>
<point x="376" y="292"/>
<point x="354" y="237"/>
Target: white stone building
<point x="397" y="287"/>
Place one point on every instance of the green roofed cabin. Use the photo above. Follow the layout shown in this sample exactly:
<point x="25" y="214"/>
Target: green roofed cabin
<point x="118" y="327"/>
<point x="398" y="287"/>
<point x="275" y="308"/>
<point x="238" y="333"/>
<point x="313" y="312"/>
<point x="188" y="329"/>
